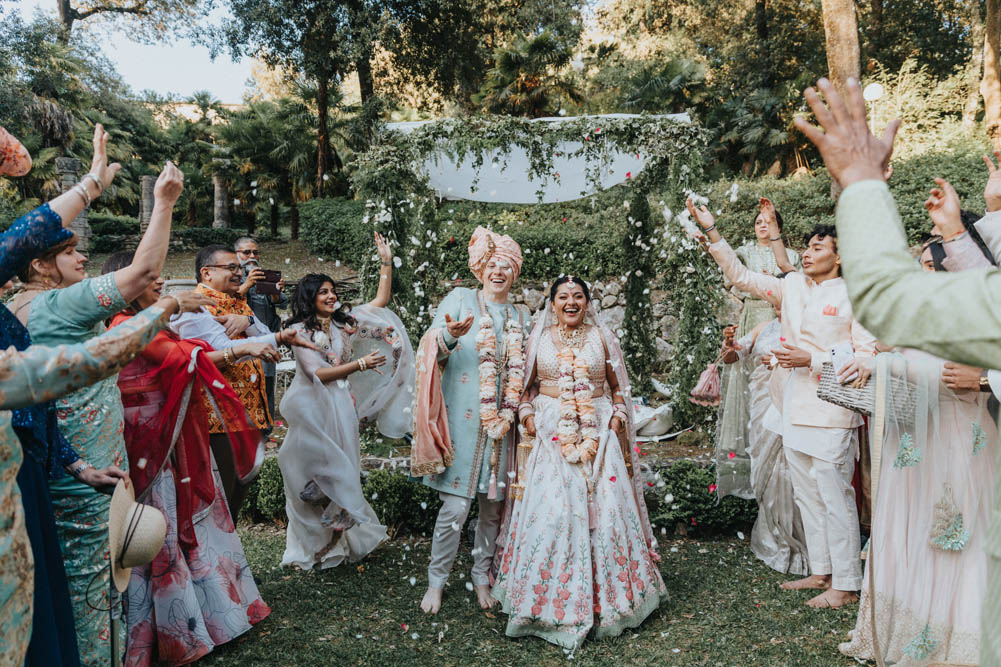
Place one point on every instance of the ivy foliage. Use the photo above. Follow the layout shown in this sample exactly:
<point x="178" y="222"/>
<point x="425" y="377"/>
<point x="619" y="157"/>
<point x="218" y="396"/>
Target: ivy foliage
<point x="402" y="204"/>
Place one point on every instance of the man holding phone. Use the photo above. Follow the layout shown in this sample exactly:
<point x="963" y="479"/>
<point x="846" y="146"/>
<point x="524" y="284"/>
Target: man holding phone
<point x="265" y="294"/>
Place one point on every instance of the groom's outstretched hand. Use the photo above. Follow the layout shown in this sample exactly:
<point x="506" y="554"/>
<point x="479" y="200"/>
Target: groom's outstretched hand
<point x="851" y="153"/>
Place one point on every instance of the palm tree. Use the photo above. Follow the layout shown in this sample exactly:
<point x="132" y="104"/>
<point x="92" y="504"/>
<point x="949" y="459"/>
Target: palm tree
<point x="528" y="79"/>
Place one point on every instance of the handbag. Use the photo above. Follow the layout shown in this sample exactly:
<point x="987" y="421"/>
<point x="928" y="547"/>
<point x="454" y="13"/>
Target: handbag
<point x="707" y="389"/>
<point x="863" y="399"/>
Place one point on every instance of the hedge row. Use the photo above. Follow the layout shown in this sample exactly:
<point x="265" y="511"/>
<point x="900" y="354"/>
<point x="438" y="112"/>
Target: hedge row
<point x="583" y="236"/>
<point x="109" y="233"/>
<point x="684" y="495"/>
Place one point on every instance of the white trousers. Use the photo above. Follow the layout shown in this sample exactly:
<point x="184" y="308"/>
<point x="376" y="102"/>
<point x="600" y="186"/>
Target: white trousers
<point x="826" y="501"/>
<point x="448" y="531"/>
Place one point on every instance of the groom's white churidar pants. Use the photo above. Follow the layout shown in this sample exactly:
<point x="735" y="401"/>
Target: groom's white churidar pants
<point x="826" y="501"/>
<point x="448" y="531"/>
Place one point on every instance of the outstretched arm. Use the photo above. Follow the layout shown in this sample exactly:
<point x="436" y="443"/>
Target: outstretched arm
<point x="955" y="316"/>
<point x="767" y="209"/>
<point x="761" y="285"/>
<point x="381" y="299"/>
<point x="147" y="264"/>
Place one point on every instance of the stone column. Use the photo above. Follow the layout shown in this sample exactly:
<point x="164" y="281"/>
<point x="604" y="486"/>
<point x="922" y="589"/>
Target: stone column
<point x="146" y="184"/>
<point x="68" y="169"/>
<point x="220" y="209"/>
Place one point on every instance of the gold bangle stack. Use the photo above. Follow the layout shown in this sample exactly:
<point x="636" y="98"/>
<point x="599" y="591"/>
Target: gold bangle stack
<point x="361" y="364"/>
<point x="229" y="356"/>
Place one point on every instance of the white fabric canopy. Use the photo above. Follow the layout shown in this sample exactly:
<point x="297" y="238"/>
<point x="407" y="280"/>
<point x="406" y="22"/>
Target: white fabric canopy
<point x="512" y="183"/>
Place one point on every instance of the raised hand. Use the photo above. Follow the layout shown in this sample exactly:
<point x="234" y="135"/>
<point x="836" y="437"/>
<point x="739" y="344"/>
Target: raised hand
<point x="700" y="214"/>
<point x="943" y="208"/>
<point x="99" y="166"/>
<point x="169" y="185"/>
<point x="851" y="153"/>
<point x="458" y="329"/>
<point x="992" y="193"/>
<point x="385" y="252"/>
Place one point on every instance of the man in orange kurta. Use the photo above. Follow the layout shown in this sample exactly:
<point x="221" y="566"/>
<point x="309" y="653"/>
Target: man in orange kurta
<point x="219" y="277"/>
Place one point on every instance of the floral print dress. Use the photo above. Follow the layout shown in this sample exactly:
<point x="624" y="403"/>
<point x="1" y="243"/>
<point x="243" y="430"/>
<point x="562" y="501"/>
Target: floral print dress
<point x="568" y="568"/>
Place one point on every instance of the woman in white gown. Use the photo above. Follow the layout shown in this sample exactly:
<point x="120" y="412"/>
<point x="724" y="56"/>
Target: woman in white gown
<point x="329" y="519"/>
<point x="577" y="552"/>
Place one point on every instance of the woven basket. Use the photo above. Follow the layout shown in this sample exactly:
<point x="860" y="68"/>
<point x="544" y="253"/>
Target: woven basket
<point x="864" y="400"/>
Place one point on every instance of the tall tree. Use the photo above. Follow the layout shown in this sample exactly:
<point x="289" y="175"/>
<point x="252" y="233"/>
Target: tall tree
<point x="147" y="19"/>
<point x="975" y="66"/>
<point x="991" y="86"/>
<point x="841" y="32"/>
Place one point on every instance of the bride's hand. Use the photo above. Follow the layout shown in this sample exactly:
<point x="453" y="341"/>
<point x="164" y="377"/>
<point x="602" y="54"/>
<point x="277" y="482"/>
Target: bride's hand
<point x="530" y="426"/>
<point x="615" y="424"/>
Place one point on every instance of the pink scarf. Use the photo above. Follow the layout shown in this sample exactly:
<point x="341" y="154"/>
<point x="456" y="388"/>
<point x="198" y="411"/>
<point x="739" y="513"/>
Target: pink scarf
<point x="432" y="449"/>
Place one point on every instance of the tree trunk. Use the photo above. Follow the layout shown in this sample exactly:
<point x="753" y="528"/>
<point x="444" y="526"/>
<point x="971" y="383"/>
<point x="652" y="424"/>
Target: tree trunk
<point x="841" y="32"/>
<point x="761" y="28"/>
<point x="66" y="17"/>
<point x="877" y="25"/>
<point x="295" y="221"/>
<point x="991" y="85"/>
<point x="274" y="219"/>
<point x="365" y="82"/>
<point x="322" y="133"/>
<point x="220" y="204"/>
<point x="975" y="67"/>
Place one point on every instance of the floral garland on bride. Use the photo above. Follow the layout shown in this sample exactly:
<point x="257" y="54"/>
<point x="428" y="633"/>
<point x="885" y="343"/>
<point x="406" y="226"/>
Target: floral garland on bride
<point x="577" y="430"/>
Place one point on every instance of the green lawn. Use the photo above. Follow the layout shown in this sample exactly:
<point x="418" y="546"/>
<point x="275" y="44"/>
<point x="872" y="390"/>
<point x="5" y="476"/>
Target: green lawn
<point x="725" y="609"/>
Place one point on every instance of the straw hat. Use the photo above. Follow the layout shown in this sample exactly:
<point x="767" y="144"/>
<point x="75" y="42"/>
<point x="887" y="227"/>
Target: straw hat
<point x="136" y="533"/>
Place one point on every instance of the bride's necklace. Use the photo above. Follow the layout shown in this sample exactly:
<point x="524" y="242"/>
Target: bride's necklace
<point x="573" y="338"/>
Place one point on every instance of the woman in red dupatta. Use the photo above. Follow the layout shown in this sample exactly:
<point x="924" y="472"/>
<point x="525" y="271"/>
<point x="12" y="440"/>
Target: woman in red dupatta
<point x="198" y="592"/>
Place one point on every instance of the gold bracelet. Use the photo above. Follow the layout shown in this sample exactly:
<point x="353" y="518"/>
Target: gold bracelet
<point x="361" y="364"/>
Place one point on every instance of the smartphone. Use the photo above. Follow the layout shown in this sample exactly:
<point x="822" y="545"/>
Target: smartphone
<point x="269" y="283"/>
<point x="843" y="354"/>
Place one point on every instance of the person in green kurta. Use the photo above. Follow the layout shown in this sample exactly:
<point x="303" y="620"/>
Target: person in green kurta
<point x="470" y="378"/>
<point x="956" y="316"/>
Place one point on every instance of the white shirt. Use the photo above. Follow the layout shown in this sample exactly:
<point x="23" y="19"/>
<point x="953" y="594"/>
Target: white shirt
<point x="203" y="325"/>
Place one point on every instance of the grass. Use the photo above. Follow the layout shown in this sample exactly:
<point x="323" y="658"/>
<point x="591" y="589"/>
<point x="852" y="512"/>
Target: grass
<point x="725" y="609"/>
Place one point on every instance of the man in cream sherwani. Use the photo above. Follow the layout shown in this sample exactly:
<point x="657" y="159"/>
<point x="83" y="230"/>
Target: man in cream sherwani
<point x="820" y="438"/>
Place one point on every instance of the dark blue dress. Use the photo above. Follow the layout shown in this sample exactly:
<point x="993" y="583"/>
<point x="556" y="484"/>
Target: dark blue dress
<point x="53" y="635"/>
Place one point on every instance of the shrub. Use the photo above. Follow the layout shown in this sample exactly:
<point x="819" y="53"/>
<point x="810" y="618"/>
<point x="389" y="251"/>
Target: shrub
<point x="103" y="224"/>
<point x="397" y="500"/>
<point x="269" y="494"/>
<point x="199" y="237"/>
<point x="688" y="497"/>
<point x="333" y="228"/>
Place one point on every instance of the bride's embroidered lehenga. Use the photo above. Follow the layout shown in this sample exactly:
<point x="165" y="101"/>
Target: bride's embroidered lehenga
<point x="577" y="551"/>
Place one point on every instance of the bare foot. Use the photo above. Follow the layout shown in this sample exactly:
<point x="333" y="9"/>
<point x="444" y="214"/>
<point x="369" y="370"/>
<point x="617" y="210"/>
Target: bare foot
<point x="832" y="598"/>
<point x="484" y="597"/>
<point x="432" y="601"/>
<point x="818" y="581"/>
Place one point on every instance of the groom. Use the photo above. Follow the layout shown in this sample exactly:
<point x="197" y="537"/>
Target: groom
<point x="470" y="375"/>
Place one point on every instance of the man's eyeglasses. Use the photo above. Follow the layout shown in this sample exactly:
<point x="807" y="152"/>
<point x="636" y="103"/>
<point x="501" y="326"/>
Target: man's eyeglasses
<point x="250" y="252"/>
<point x="232" y="268"/>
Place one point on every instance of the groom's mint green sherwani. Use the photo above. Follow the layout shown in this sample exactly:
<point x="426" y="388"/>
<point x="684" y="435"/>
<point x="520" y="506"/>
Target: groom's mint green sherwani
<point x="469" y="473"/>
<point x="955" y="316"/>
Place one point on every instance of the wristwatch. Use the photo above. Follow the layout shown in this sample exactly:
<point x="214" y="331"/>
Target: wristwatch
<point x="985" y="384"/>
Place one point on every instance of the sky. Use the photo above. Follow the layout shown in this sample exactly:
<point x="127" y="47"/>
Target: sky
<point x="179" y="68"/>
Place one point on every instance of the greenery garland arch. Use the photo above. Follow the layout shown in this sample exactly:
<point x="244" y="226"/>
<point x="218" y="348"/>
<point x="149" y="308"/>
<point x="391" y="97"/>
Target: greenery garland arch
<point x="401" y="204"/>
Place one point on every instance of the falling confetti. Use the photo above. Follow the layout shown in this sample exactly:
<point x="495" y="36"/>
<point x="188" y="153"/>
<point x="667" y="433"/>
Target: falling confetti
<point x="413" y="581"/>
<point x="469" y="586"/>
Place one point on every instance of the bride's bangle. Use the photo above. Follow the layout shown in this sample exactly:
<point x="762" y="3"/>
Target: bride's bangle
<point x="619" y="410"/>
<point x="525" y="410"/>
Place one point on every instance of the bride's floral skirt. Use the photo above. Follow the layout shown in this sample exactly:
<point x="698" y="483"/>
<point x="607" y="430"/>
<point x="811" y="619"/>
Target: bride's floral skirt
<point x="562" y="574"/>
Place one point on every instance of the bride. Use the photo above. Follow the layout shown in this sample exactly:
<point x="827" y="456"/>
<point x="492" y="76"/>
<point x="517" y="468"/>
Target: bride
<point x="578" y="552"/>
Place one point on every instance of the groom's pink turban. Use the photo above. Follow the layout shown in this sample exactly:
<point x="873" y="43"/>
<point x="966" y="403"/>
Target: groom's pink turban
<point x="486" y="244"/>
